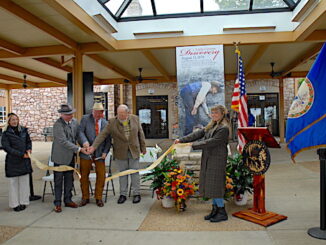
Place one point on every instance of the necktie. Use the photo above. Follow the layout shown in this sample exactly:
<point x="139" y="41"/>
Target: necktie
<point x="96" y="127"/>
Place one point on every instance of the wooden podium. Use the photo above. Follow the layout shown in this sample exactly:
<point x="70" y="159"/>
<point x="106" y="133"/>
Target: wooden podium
<point x="254" y="151"/>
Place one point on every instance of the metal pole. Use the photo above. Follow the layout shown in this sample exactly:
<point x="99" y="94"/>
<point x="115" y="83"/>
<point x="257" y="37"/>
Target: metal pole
<point x="320" y="232"/>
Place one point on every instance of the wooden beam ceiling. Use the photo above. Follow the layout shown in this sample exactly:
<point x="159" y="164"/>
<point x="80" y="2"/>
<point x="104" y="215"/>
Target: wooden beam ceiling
<point x="38" y="23"/>
<point x="111" y="66"/>
<point x="10" y="47"/>
<point x="17" y="80"/>
<point x="75" y="14"/>
<point x="255" y="58"/>
<point x="311" y="22"/>
<point x="148" y="54"/>
<point x="31" y="72"/>
<point x="43" y="51"/>
<point x="303" y="59"/>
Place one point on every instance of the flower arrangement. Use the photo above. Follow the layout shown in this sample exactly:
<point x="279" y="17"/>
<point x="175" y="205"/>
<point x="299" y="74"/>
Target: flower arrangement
<point x="179" y="186"/>
<point x="229" y="188"/>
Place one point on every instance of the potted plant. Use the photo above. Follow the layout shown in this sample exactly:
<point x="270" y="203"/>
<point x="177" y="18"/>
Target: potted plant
<point x="241" y="178"/>
<point x="157" y="175"/>
<point x="178" y="186"/>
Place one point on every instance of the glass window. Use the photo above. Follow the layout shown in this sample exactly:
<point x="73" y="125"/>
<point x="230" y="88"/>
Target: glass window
<point x="153" y="116"/>
<point x="114" y="5"/>
<point x="3" y="116"/>
<point x="177" y="6"/>
<point x="138" y="8"/>
<point x="265" y="4"/>
<point x="228" y="5"/>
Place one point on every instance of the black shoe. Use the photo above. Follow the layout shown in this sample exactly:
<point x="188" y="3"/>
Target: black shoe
<point x="34" y="198"/>
<point x="213" y="213"/>
<point x="122" y="199"/>
<point x="220" y="216"/>
<point x="17" y="209"/>
<point x="22" y="207"/>
<point x="136" y="199"/>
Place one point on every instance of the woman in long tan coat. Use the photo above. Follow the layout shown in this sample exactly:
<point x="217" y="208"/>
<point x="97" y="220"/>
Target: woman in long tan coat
<point x="212" y="140"/>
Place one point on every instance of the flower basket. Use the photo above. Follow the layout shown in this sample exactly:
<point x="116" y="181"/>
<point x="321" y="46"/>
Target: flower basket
<point x="167" y="202"/>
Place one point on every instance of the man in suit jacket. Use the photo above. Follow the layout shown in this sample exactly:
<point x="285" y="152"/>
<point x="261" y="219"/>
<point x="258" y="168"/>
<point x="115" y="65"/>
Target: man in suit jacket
<point x="90" y="126"/>
<point x="64" y="149"/>
<point x="128" y="142"/>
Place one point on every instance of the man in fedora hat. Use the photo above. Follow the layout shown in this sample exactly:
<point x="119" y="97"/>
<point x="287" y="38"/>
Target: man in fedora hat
<point x="64" y="149"/>
<point x="90" y="126"/>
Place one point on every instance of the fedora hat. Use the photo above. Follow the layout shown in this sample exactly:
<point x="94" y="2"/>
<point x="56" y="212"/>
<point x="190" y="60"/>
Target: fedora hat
<point x="98" y="106"/>
<point x="66" y="109"/>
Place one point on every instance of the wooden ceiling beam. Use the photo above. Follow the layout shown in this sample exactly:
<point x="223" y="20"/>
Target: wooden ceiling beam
<point x="89" y="48"/>
<point x="31" y="72"/>
<point x="16" y="80"/>
<point x="303" y="59"/>
<point x="22" y="13"/>
<point x="255" y="58"/>
<point x="111" y="66"/>
<point x="149" y="55"/>
<point x="10" y="47"/>
<point x="43" y="51"/>
<point x="317" y="36"/>
<point x="75" y="14"/>
<point x="311" y="22"/>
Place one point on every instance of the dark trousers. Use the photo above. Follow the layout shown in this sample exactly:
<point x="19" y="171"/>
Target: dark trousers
<point x="64" y="179"/>
<point x="189" y="102"/>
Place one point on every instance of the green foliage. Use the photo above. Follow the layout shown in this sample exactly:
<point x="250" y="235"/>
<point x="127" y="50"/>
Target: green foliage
<point x="241" y="176"/>
<point x="301" y="80"/>
<point x="157" y="176"/>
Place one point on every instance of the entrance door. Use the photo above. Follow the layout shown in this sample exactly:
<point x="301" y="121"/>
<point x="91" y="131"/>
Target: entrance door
<point x="264" y="109"/>
<point x="153" y="116"/>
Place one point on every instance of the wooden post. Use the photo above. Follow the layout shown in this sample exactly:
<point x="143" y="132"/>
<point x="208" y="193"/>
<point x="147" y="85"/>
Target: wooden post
<point x="281" y="109"/>
<point x="8" y="101"/>
<point x="296" y="86"/>
<point x="121" y="94"/>
<point x="77" y="84"/>
<point x="134" y="98"/>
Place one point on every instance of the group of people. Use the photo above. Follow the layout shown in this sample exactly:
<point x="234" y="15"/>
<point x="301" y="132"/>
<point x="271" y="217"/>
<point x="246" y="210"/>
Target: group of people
<point x="92" y="139"/>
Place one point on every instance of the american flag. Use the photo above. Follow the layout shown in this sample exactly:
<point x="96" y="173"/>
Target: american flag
<point x="239" y="100"/>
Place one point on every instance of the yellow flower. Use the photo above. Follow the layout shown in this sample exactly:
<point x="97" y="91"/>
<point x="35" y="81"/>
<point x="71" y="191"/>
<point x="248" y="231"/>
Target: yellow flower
<point x="180" y="192"/>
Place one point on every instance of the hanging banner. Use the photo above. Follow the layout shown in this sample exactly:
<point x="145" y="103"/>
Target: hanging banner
<point x="200" y="75"/>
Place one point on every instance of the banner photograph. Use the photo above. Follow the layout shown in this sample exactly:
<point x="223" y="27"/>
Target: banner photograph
<point x="200" y="75"/>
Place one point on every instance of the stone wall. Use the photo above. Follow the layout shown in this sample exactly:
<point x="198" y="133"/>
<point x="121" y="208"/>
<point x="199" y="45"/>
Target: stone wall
<point x="37" y="108"/>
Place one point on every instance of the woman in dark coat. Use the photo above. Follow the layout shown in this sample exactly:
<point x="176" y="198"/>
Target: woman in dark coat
<point x="212" y="140"/>
<point x="17" y="143"/>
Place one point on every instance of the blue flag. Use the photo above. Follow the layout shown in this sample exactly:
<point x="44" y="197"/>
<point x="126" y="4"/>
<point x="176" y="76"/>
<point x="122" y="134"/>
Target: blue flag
<point x="306" y="124"/>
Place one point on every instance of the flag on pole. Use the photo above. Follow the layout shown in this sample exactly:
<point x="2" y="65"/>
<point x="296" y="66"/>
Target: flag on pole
<point x="236" y="96"/>
<point x="306" y="124"/>
<point x="239" y="100"/>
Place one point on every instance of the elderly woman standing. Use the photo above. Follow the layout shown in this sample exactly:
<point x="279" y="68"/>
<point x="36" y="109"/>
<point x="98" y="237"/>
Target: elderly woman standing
<point x="213" y="140"/>
<point x="17" y="143"/>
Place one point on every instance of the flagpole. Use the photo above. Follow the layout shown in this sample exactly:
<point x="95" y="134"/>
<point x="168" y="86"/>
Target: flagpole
<point x="320" y="232"/>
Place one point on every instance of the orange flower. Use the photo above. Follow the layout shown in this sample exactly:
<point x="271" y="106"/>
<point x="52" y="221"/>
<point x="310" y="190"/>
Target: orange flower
<point x="229" y="186"/>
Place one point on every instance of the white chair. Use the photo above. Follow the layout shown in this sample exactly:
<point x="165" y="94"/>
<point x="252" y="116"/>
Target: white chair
<point x="92" y="177"/>
<point x="49" y="177"/>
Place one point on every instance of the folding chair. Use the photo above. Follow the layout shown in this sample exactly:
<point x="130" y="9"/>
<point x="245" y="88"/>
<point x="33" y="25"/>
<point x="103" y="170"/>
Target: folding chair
<point x="92" y="177"/>
<point x="49" y="177"/>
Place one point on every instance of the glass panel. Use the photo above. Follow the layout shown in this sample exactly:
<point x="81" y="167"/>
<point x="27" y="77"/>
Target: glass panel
<point x="264" y="4"/>
<point x="226" y="5"/>
<point x="145" y="116"/>
<point x="114" y="5"/>
<point x="177" y="6"/>
<point x="138" y="8"/>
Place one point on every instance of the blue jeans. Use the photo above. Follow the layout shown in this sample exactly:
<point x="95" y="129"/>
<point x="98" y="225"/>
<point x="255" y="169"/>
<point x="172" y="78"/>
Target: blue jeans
<point x="219" y="202"/>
